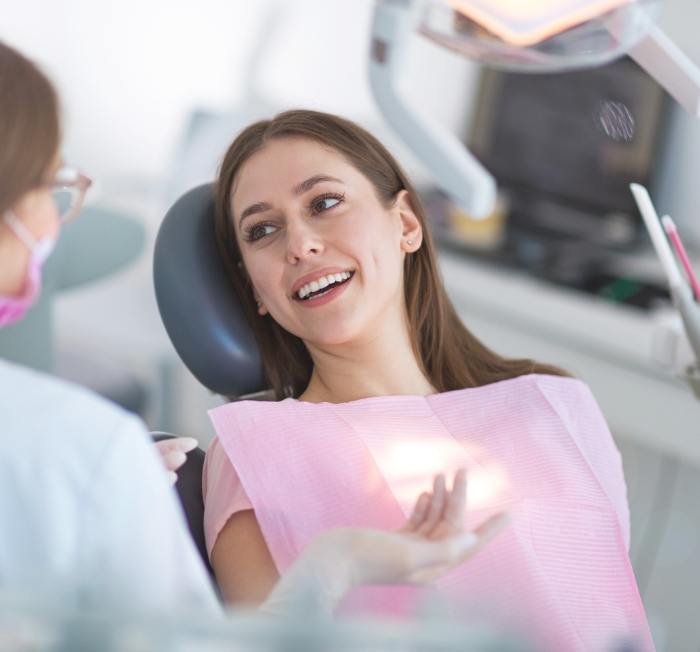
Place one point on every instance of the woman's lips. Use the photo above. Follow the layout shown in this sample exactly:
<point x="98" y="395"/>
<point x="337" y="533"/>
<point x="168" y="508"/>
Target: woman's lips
<point x="327" y="295"/>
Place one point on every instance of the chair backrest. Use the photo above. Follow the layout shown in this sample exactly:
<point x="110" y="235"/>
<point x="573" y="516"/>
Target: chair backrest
<point x="197" y="303"/>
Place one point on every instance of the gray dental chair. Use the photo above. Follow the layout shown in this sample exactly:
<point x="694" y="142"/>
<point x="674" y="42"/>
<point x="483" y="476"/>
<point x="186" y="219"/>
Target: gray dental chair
<point x="204" y="322"/>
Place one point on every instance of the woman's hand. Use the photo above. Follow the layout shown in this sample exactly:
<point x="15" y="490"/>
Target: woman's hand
<point x="431" y="543"/>
<point x="173" y="453"/>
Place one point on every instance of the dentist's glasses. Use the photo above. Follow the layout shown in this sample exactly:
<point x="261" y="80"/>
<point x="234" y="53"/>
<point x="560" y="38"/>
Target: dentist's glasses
<point x="68" y="189"/>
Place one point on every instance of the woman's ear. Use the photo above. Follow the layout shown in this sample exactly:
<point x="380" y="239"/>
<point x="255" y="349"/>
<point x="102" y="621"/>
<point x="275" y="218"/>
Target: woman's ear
<point x="411" y="229"/>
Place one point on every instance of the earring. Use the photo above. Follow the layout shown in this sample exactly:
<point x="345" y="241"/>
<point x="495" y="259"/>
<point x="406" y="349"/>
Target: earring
<point x="409" y="242"/>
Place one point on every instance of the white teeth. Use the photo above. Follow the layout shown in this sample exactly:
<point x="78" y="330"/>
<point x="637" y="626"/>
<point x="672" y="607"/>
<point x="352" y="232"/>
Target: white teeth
<point x="321" y="283"/>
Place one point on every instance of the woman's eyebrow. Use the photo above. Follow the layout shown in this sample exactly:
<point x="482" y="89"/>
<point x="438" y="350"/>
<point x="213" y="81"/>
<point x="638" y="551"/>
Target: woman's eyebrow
<point x="299" y="189"/>
<point x="259" y="207"/>
<point x="304" y="186"/>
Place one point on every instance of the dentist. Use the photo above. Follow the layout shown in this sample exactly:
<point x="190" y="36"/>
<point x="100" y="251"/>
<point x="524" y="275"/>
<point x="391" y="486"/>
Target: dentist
<point x="86" y="511"/>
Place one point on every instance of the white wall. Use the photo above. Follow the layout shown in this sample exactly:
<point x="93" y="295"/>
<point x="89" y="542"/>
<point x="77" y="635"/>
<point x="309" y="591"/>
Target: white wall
<point x="130" y="71"/>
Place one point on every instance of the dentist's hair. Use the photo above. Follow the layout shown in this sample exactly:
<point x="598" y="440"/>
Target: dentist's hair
<point x="450" y="356"/>
<point x="29" y="126"/>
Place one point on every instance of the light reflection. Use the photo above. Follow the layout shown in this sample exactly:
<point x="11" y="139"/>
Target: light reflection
<point x="410" y="465"/>
<point x="616" y="121"/>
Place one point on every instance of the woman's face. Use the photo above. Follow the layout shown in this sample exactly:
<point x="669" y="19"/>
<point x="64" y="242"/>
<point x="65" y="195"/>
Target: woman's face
<point x="325" y="257"/>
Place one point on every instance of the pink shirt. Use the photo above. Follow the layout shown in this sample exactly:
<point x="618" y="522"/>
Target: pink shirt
<point x="535" y="445"/>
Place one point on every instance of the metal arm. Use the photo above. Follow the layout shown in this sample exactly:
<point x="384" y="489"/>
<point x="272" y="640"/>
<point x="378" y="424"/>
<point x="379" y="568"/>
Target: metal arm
<point x="455" y="169"/>
<point x="671" y="68"/>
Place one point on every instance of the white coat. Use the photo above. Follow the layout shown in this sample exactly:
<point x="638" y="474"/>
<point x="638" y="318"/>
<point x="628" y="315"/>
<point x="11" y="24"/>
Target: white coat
<point x="87" y="515"/>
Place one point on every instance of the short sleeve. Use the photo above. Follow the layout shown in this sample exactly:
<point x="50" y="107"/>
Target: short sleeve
<point x="223" y="492"/>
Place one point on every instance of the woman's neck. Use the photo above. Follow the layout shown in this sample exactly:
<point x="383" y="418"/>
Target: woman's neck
<point x="381" y="364"/>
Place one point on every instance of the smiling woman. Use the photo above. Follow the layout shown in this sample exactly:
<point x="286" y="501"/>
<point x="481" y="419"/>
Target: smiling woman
<point x="382" y="387"/>
<point x="308" y="194"/>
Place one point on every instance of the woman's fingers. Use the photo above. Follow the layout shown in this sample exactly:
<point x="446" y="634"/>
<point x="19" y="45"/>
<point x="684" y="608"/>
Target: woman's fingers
<point x="419" y="513"/>
<point x="457" y="501"/>
<point x="437" y="557"/>
<point x="173" y="453"/>
<point x="440" y="513"/>
<point x="174" y="460"/>
<point x="436" y="508"/>
<point x="182" y="444"/>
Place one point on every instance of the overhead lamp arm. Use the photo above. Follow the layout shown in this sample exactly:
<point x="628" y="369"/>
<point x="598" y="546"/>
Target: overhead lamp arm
<point x="671" y="68"/>
<point x="454" y="167"/>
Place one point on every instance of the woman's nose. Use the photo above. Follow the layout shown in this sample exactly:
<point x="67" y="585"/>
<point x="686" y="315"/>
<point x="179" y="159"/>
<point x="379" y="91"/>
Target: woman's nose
<point x="302" y="241"/>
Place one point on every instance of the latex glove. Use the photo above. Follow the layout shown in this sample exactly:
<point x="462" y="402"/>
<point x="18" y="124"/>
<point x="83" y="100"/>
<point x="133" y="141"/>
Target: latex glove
<point x="431" y="543"/>
<point x="173" y="453"/>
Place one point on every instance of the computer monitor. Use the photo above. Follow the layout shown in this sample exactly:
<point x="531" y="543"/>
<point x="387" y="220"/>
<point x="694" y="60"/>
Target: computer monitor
<point x="576" y="138"/>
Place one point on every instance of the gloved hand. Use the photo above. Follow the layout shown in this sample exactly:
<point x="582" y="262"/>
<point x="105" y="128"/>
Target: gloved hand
<point x="431" y="543"/>
<point x="173" y="453"/>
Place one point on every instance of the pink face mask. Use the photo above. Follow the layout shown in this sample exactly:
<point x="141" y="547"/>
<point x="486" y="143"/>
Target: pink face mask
<point x="13" y="308"/>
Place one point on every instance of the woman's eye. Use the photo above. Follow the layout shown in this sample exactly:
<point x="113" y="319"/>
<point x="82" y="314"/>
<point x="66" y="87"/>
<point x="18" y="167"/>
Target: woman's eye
<point x="260" y="231"/>
<point x="326" y="203"/>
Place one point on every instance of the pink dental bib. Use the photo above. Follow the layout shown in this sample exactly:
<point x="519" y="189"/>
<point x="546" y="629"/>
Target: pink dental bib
<point x="537" y="446"/>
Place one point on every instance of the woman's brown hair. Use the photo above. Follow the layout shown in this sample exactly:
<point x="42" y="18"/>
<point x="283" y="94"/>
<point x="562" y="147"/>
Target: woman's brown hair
<point x="29" y="126"/>
<point x="451" y="357"/>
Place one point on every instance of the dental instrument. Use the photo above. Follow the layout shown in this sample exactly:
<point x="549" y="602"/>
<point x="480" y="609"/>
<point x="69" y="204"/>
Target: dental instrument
<point x="675" y="238"/>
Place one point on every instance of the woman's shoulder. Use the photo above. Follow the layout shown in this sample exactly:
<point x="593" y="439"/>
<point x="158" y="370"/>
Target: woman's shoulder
<point x="549" y="381"/>
<point x="568" y="398"/>
<point x="567" y="388"/>
<point x="566" y="394"/>
<point x="523" y="389"/>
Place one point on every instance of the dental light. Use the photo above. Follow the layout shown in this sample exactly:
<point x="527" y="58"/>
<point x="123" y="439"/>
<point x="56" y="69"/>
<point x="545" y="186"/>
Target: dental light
<point x="521" y="35"/>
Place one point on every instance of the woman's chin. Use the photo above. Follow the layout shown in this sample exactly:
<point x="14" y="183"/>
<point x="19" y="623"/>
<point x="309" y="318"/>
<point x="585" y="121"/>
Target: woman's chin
<point x="334" y="333"/>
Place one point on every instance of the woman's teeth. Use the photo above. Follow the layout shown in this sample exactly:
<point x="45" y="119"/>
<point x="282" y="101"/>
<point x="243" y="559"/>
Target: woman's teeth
<point x="321" y="283"/>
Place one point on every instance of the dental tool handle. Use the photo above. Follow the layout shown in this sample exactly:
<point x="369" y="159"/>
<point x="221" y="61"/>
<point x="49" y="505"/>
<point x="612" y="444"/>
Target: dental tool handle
<point x="680" y="291"/>
<point x="675" y="238"/>
<point x="658" y="239"/>
<point x="455" y="169"/>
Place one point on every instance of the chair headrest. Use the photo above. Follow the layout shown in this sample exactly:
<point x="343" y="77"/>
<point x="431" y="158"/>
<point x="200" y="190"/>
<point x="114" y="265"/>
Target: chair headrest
<point x="197" y="303"/>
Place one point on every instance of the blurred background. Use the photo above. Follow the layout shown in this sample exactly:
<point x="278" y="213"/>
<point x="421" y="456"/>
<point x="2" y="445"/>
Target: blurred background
<point x="153" y="92"/>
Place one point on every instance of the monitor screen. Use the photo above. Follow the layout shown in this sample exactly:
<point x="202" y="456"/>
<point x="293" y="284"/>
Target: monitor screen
<point x="579" y="138"/>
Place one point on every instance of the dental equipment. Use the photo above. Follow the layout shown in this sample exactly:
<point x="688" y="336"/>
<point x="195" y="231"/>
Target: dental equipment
<point x="521" y="35"/>
<point x="530" y="36"/>
<point x="681" y="292"/>
<point x="681" y="253"/>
